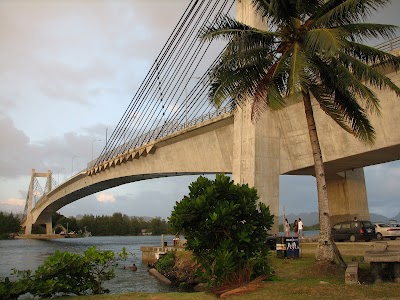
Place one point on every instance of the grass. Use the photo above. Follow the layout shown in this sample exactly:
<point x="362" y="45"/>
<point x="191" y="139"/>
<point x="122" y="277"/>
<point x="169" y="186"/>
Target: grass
<point x="294" y="279"/>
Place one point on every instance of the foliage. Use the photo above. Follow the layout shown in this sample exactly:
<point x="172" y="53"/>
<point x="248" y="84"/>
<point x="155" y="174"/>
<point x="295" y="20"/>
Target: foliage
<point x="224" y="228"/>
<point x="180" y="268"/>
<point x="99" y="265"/>
<point x="117" y="224"/>
<point x="124" y="255"/>
<point x="166" y="263"/>
<point x="63" y="273"/>
<point x="313" y="49"/>
<point x="9" y="223"/>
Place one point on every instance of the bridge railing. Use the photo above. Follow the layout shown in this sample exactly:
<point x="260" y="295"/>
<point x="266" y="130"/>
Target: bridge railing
<point x="157" y="133"/>
<point x="390" y="45"/>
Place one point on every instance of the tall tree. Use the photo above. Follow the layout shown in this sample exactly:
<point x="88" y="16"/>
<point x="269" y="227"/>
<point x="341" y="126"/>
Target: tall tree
<point x="313" y="48"/>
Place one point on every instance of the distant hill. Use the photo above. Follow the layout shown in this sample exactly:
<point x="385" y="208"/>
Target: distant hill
<point x="397" y="217"/>
<point x="375" y="218"/>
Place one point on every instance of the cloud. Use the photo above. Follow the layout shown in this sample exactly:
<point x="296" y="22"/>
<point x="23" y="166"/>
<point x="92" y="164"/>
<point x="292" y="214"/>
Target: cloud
<point x="105" y="198"/>
<point x="14" y="202"/>
<point x="12" y="205"/>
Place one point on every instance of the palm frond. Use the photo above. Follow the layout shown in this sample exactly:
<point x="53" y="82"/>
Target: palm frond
<point x="365" y="31"/>
<point x="347" y="81"/>
<point x="346" y="112"/>
<point x="325" y="41"/>
<point x="355" y="116"/>
<point x="273" y="85"/>
<point x="250" y="43"/>
<point x="325" y="99"/>
<point x="341" y="12"/>
<point x="227" y="28"/>
<point x="364" y="72"/>
<point x="268" y="92"/>
<point x="298" y="78"/>
<point x="230" y="80"/>
<point x="371" y="55"/>
<point x="277" y="11"/>
<point x="281" y="11"/>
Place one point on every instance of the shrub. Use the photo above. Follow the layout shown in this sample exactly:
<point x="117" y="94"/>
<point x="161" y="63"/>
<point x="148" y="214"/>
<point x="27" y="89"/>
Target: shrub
<point x="63" y="273"/>
<point x="180" y="268"/>
<point x="225" y="229"/>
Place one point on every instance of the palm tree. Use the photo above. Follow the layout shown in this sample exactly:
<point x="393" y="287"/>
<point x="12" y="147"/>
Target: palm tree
<point x="313" y="48"/>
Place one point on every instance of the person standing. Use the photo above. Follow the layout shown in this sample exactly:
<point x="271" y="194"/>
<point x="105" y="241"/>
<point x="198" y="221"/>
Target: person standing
<point x="295" y="228"/>
<point x="286" y="228"/>
<point x="300" y="227"/>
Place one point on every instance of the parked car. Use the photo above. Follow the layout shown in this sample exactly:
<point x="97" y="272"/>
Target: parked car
<point x="384" y="230"/>
<point x="353" y="231"/>
<point x="393" y="223"/>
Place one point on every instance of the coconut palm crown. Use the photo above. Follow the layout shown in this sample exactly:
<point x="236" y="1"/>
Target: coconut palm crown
<point x="313" y="48"/>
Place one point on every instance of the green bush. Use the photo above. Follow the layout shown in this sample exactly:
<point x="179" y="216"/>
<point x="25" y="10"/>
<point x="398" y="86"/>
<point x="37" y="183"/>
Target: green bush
<point x="166" y="263"/>
<point x="225" y="229"/>
<point x="61" y="274"/>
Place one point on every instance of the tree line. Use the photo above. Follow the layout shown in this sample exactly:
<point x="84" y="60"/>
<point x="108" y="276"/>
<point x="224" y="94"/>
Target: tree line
<point x="9" y="223"/>
<point x="117" y="224"/>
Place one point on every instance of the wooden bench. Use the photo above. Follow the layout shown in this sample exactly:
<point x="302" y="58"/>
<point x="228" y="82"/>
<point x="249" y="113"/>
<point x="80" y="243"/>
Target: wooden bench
<point x="351" y="274"/>
<point x="383" y="255"/>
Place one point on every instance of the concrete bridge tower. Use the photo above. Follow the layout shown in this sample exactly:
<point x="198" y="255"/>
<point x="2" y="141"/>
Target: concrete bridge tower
<point x="256" y="145"/>
<point x="29" y="221"/>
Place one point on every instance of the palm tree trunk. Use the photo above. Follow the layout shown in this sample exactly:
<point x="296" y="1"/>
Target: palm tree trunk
<point x="325" y="251"/>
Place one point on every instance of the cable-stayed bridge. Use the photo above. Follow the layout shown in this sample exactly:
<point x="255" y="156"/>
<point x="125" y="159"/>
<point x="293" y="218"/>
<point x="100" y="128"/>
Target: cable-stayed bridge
<point x="170" y="129"/>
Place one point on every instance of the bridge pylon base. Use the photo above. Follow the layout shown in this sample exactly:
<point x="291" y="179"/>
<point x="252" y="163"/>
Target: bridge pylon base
<point x="347" y="196"/>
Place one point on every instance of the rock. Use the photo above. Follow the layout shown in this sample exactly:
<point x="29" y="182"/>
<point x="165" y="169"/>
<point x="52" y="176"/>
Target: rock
<point x="160" y="277"/>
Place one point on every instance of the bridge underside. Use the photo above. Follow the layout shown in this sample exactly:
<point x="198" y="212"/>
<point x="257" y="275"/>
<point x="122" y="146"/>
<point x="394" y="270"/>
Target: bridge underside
<point x="203" y="149"/>
<point x="101" y="186"/>
<point x="335" y="167"/>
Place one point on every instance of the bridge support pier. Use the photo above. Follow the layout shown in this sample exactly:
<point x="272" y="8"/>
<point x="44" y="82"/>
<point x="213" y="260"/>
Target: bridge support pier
<point x="256" y="152"/>
<point x="256" y="146"/>
<point x="49" y="226"/>
<point x="348" y="196"/>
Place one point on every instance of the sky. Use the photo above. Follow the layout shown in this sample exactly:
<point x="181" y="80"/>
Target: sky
<point x="68" y="71"/>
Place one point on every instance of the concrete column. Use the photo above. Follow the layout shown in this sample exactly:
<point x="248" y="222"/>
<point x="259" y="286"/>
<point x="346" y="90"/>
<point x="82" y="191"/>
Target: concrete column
<point x="245" y="13"/>
<point x="28" y="223"/>
<point x="49" y="227"/>
<point x="256" y="157"/>
<point x="348" y="196"/>
<point x="256" y="147"/>
<point x="49" y="186"/>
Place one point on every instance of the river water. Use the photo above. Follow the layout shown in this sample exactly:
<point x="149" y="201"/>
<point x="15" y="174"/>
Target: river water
<point x="24" y="254"/>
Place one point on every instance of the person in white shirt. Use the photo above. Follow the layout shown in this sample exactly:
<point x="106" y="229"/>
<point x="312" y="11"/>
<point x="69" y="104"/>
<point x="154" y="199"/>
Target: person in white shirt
<point x="300" y="227"/>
